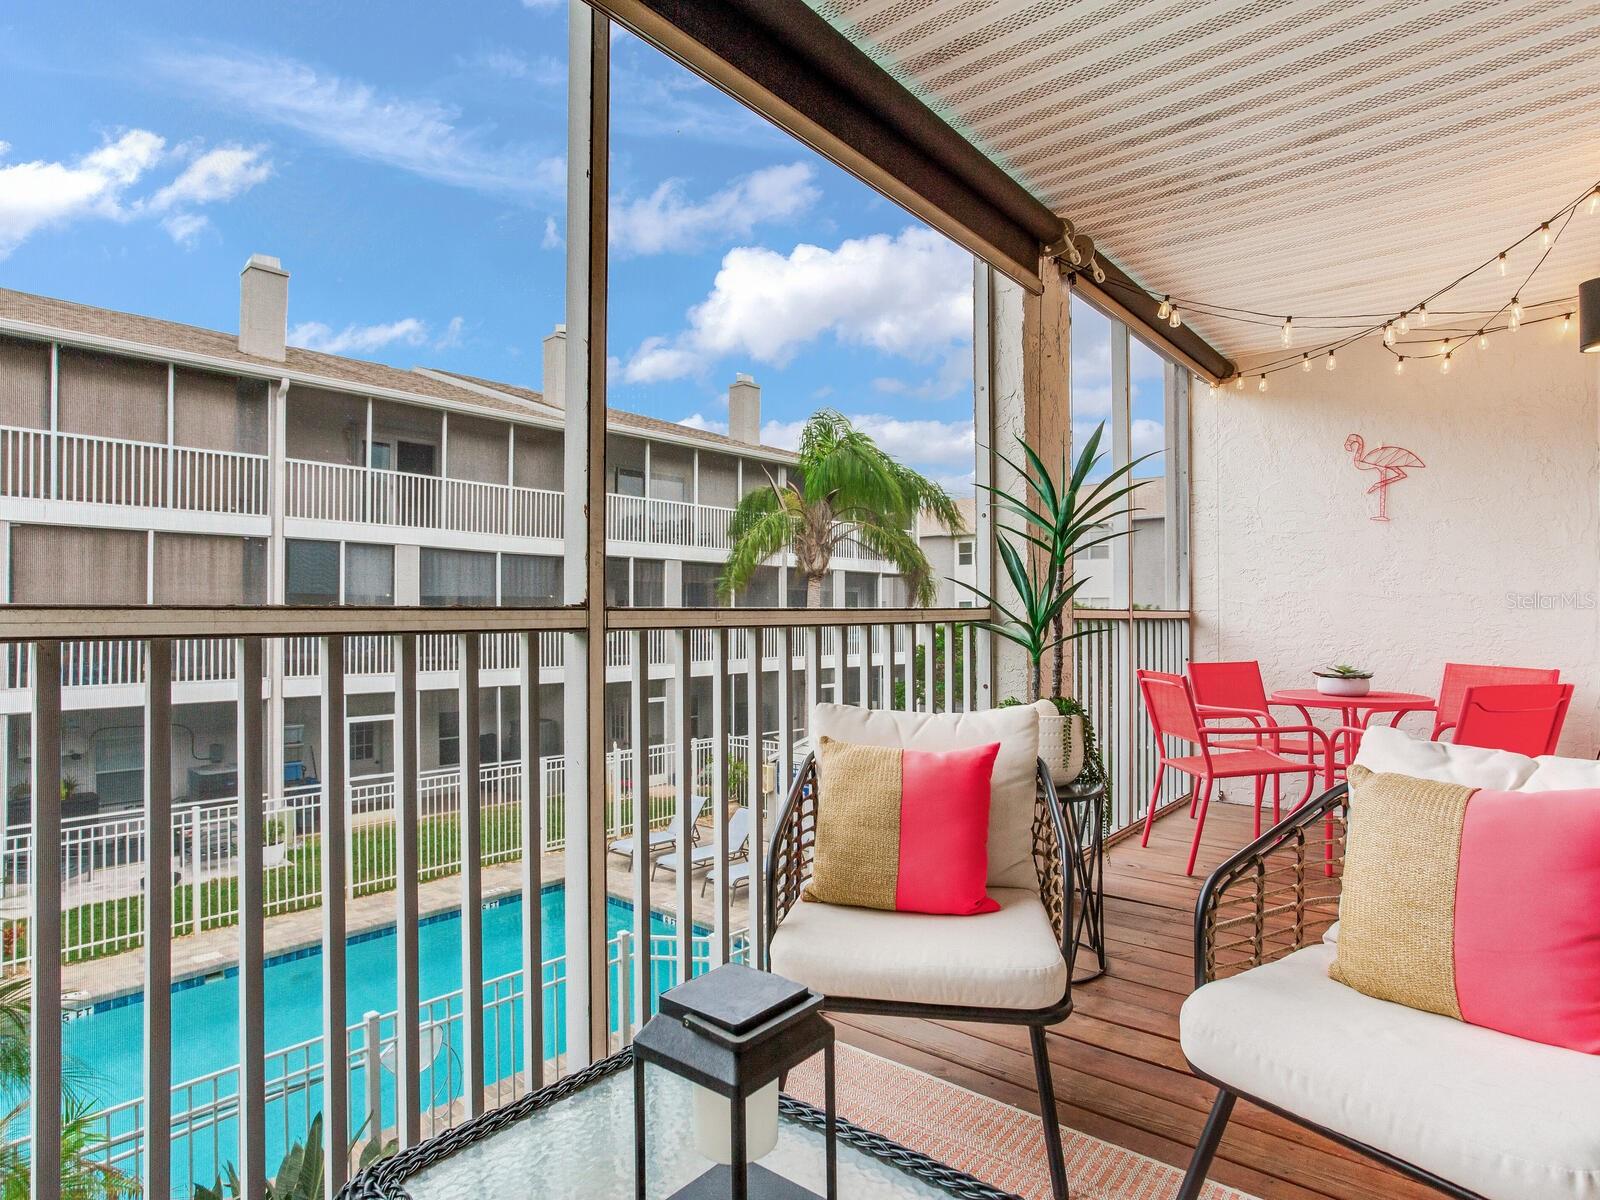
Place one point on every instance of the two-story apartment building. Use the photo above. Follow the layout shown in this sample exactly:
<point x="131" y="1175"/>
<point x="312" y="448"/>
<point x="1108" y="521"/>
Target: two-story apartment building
<point x="143" y="461"/>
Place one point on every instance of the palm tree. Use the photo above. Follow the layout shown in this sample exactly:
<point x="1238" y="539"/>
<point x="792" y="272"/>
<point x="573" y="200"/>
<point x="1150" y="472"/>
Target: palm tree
<point x="844" y="487"/>
<point x="82" y="1176"/>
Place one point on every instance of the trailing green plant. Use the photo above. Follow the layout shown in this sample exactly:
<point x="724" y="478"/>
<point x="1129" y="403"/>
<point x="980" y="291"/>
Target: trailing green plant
<point x="275" y="830"/>
<point x="84" y="1176"/>
<point x="1094" y="768"/>
<point x="738" y="778"/>
<point x="1057" y="517"/>
<point x="843" y="487"/>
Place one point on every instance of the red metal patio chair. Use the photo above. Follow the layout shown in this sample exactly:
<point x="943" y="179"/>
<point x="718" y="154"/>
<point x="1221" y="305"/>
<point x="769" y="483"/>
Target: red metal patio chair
<point x="1525" y="718"/>
<point x="1458" y="677"/>
<point x="1224" y="690"/>
<point x="1169" y="702"/>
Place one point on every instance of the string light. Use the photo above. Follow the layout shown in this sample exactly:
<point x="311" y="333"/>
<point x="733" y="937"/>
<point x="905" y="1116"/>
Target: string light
<point x="1516" y="314"/>
<point x="1502" y="264"/>
<point x="1262" y="386"/>
<point x="1287" y="336"/>
<point x="1566" y="323"/>
<point x="1594" y="199"/>
<point x="1388" y="333"/>
<point x="1331" y="362"/>
<point x="1165" y="310"/>
<point x="1422" y="314"/>
<point x="1239" y="386"/>
<point x="1405" y="325"/>
<point x="1444" y="365"/>
<point x="1305" y="362"/>
<point x="1400" y="365"/>
<point x="1544" y="235"/>
<point x="1176" y="318"/>
<point x="1483" y="340"/>
<point x="1446" y="347"/>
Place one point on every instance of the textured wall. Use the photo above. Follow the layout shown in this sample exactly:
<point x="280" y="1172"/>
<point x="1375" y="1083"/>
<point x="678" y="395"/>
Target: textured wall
<point x="1492" y="553"/>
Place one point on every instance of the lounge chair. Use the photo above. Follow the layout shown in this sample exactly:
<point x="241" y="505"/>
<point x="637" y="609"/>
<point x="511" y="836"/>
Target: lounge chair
<point x="738" y="873"/>
<point x="664" y="839"/>
<point x="706" y="856"/>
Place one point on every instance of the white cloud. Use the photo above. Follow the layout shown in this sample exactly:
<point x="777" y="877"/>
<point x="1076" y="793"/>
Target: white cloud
<point x="667" y="221"/>
<point x="707" y="424"/>
<point x="452" y="335"/>
<point x="909" y="295"/>
<point x="656" y="360"/>
<point x="552" y="239"/>
<point x="217" y="175"/>
<point x="38" y="194"/>
<point x="421" y="136"/>
<point x="924" y="442"/>
<point x="185" y="227"/>
<point x="358" y="339"/>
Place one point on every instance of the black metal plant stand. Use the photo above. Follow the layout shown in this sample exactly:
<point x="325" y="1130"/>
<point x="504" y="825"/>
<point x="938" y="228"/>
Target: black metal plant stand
<point x="1086" y="818"/>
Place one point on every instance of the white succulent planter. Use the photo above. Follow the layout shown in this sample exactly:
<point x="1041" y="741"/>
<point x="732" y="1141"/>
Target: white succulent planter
<point x="1060" y="742"/>
<point x="1336" y="686"/>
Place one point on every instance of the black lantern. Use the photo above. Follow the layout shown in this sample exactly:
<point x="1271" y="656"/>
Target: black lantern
<point x="732" y="1032"/>
<point x="1589" y="316"/>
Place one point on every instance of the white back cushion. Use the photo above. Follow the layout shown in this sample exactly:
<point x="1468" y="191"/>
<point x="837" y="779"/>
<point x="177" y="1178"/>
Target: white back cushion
<point x="1012" y="786"/>
<point x="1386" y="749"/>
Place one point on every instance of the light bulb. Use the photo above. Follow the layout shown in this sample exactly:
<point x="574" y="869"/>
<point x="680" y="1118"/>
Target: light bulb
<point x="1446" y="346"/>
<point x="1566" y="323"/>
<point x="1176" y="318"/>
<point x="1331" y="362"/>
<point x="1483" y="340"/>
<point x="1165" y="310"/>
<point x="1502" y="263"/>
<point x="1594" y="198"/>
<point x="1405" y="325"/>
<point x="1388" y="333"/>
<point x="1305" y="362"/>
<point x="1544" y="235"/>
<point x="1239" y="385"/>
<point x="1422" y="314"/>
<point x="1516" y="315"/>
<point x="1262" y="386"/>
<point x="1444" y="365"/>
<point x="1400" y="365"/>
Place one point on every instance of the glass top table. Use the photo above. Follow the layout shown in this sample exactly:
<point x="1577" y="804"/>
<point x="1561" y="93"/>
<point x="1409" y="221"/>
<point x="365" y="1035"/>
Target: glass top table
<point x="574" y="1141"/>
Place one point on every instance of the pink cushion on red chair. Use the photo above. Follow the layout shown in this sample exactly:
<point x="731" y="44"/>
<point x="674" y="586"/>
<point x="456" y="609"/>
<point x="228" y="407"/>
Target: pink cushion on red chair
<point x="1527" y="916"/>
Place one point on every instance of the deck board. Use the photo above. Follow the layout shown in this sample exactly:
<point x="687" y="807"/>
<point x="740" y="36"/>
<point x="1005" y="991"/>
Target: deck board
<point x="1119" y="1071"/>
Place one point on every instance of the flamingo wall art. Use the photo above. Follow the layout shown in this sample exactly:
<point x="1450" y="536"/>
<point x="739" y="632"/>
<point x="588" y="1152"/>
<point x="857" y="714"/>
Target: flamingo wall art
<point x="1391" y="463"/>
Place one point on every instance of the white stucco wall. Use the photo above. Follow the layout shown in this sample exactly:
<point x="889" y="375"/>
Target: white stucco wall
<point x="1492" y="552"/>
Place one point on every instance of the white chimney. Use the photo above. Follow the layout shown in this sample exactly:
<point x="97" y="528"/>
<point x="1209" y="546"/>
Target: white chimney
<point x="263" y="307"/>
<point x="744" y="410"/>
<point x="555" y="367"/>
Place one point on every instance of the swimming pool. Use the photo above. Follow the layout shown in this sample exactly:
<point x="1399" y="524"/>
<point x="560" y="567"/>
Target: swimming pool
<point x="107" y="1041"/>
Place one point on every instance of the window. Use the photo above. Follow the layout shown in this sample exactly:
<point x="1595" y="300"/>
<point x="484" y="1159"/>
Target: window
<point x="449" y="738"/>
<point x="630" y="482"/>
<point x="529" y="580"/>
<point x="700" y="584"/>
<point x="964" y="553"/>
<point x="310" y="572"/>
<point x="363" y="741"/>
<point x="457" y="578"/>
<point x="368" y="574"/>
<point x="762" y="590"/>
<point x="618" y="592"/>
<point x="649" y="583"/>
<point x="860" y="590"/>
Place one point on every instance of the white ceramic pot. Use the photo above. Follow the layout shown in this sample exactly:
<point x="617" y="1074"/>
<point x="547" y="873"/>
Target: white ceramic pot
<point x="1060" y="742"/>
<point x="275" y="855"/>
<point x="1335" y="686"/>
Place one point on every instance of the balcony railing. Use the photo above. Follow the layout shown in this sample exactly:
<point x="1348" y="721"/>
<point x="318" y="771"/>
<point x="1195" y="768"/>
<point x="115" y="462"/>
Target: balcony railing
<point x="321" y="491"/>
<point x="422" y="839"/>
<point x="37" y="464"/>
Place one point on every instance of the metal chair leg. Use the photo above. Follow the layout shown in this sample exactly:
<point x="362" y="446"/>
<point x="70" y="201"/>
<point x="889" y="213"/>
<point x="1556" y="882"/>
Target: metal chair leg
<point x="1047" y="1109"/>
<point x="1210" y="1137"/>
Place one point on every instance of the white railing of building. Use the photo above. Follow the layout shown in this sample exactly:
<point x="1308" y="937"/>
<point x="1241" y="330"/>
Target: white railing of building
<point x="1105" y="660"/>
<point x="322" y="491"/>
<point x="205" y="1108"/>
<point x="37" y="464"/>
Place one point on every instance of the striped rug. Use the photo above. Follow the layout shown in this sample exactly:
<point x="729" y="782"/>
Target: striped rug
<point x="999" y="1144"/>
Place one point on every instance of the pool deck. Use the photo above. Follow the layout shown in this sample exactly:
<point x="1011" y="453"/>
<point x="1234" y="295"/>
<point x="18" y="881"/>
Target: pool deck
<point x="216" y="950"/>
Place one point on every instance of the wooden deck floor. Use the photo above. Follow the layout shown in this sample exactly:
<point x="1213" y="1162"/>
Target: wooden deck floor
<point x="1119" y="1072"/>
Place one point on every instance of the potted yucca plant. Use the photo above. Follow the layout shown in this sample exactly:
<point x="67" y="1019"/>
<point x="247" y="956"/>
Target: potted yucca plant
<point x="1056" y="517"/>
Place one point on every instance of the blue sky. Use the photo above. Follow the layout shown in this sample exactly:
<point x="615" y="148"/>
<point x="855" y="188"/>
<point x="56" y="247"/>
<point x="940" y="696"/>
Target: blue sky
<point x="409" y="172"/>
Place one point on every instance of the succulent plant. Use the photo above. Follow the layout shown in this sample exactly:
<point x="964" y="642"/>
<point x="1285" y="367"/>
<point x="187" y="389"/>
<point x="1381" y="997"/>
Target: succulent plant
<point x="1343" y="671"/>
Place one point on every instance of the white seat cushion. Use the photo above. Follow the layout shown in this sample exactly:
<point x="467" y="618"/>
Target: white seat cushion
<point x="1507" y="1118"/>
<point x="1012" y="788"/>
<point x="1007" y="959"/>
<point x="1397" y="752"/>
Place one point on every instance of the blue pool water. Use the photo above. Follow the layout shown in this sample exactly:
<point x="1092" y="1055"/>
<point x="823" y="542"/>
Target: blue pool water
<point x="107" y="1042"/>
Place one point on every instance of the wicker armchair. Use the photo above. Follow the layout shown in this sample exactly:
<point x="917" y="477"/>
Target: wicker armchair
<point x="789" y="866"/>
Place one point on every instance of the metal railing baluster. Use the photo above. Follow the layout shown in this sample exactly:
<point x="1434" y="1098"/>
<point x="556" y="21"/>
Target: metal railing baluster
<point x="688" y="802"/>
<point x="719" y="795"/>
<point x="252" y="914"/>
<point x="469" y="726"/>
<point x="532" y="863"/>
<point x="332" y="848"/>
<point x="408" y="1100"/>
<point x="44" y="924"/>
<point x="158" y="885"/>
<point x="638" y="695"/>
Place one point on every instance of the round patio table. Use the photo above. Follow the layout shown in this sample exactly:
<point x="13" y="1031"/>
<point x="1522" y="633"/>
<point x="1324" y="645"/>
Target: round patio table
<point x="1354" y="711"/>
